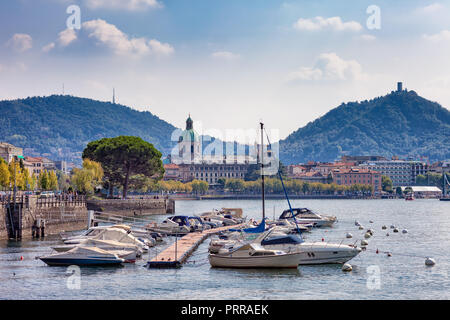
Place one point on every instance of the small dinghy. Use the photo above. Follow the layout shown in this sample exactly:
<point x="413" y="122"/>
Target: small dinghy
<point x="83" y="256"/>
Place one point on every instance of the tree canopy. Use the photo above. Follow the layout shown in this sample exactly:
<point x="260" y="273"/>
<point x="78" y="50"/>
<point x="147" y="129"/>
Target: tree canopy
<point x="123" y="157"/>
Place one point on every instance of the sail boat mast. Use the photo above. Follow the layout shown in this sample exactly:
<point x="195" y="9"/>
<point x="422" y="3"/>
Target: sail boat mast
<point x="262" y="172"/>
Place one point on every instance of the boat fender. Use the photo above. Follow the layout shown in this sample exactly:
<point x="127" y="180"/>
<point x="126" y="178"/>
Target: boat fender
<point x="323" y="239"/>
<point x="367" y="235"/>
<point x="349" y="235"/>
<point x="430" y="262"/>
<point x="21" y="258"/>
<point x="364" y="242"/>
<point x="347" y="267"/>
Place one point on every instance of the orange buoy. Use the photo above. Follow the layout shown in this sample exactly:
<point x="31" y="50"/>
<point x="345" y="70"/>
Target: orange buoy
<point x="21" y="258"/>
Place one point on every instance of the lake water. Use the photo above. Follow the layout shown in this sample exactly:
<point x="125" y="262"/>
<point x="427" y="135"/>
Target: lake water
<point x="374" y="276"/>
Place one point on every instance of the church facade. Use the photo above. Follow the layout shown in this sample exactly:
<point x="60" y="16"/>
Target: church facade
<point x="189" y="162"/>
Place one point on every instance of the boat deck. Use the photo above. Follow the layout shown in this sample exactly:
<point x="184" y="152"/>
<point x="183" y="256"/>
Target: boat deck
<point x="177" y="253"/>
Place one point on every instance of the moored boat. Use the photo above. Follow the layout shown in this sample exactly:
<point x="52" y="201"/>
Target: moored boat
<point x="83" y="256"/>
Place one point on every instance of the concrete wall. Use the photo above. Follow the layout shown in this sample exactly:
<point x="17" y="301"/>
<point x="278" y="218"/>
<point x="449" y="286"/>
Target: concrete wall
<point x="133" y="207"/>
<point x="58" y="215"/>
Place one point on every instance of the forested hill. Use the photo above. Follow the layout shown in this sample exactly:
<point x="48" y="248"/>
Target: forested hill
<point x="400" y="123"/>
<point x="60" y="126"/>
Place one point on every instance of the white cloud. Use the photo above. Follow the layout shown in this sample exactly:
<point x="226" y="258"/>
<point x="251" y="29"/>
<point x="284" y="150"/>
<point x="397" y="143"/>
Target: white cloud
<point x="444" y="35"/>
<point x="320" y="23"/>
<point x="434" y="7"/>
<point x="329" y="66"/>
<point x="66" y="37"/>
<point x="48" y="47"/>
<point x="225" y="55"/>
<point x="20" y="42"/>
<point x="110" y="36"/>
<point x="131" y="5"/>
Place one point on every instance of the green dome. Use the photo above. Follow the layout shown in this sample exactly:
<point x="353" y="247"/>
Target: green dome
<point x="189" y="135"/>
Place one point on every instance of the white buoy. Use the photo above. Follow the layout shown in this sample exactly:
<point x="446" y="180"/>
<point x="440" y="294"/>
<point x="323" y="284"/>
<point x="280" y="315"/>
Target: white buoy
<point x="392" y="226"/>
<point x="404" y="231"/>
<point x="367" y="235"/>
<point x="364" y="242"/>
<point x="384" y="227"/>
<point x="430" y="262"/>
<point x="349" y="235"/>
<point x="370" y="221"/>
<point x="389" y="254"/>
<point x="361" y="228"/>
<point x="357" y="223"/>
<point x="347" y="267"/>
<point x="395" y="230"/>
<point x="387" y="234"/>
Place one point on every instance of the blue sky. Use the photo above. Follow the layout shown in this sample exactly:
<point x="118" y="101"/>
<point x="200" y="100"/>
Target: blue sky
<point x="230" y="63"/>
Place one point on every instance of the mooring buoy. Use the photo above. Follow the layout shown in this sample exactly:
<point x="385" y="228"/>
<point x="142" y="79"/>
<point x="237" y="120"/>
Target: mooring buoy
<point x="347" y="267"/>
<point x="430" y="262"/>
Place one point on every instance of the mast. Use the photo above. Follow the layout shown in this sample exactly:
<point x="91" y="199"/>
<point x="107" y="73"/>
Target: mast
<point x="262" y="171"/>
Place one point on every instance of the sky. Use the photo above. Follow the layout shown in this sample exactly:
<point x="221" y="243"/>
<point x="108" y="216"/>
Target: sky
<point x="228" y="63"/>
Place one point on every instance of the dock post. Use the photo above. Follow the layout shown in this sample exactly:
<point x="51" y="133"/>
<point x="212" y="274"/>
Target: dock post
<point x="90" y="218"/>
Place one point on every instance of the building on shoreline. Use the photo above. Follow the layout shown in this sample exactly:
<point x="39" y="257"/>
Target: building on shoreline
<point x="191" y="163"/>
<point x="8" y="151"/>
<point x="353" y="176"/>
<point x="401" y="172"/>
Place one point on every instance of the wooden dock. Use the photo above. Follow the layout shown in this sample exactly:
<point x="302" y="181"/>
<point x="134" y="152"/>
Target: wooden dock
<point x="177" y="253"/>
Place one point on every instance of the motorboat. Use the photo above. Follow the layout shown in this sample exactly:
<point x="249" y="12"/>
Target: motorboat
<point x="252" y="255"/>
<point x="141" y="234"/>
<point x="307" y="216"/>
<point x="225" y="216"/>
<point x="109" y="245"/>
<point x="83" y="256"/>
<point x="178" y="225"/>
<point x="114" y="234"/>
<point x="309" y="252"/>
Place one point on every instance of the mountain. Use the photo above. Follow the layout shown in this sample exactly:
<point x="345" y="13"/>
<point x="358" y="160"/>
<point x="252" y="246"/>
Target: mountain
<point x="401" y="123"/>
<point x="60" y="126"/>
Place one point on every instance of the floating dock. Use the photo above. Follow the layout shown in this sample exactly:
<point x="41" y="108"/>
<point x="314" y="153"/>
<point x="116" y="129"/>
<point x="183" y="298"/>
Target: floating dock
<point x="177" y="253"/>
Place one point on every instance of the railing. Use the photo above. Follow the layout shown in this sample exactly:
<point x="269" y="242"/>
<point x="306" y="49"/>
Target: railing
<point x="61" y="201"/>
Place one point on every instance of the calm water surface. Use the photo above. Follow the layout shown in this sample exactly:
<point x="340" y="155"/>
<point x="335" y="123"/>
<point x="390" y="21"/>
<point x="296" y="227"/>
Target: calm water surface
<point x="401" y="276"/>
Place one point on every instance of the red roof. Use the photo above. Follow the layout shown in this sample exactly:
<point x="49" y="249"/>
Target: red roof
<point x="171" y="166"/>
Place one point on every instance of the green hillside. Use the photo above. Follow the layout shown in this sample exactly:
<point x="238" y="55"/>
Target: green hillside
<point x="60" y="126"/>
<point x="400" y="123"/>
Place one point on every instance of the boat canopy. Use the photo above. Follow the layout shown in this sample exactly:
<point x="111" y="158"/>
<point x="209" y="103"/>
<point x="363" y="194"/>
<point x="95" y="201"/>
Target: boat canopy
<point x="297" y="211"/>
<point x="288" y="239"/>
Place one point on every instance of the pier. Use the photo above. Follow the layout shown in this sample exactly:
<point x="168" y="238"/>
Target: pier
<point x="176" y="254"/>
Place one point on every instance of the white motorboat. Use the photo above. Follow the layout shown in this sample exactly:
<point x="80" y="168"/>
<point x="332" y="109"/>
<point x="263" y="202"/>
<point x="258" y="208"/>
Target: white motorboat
<point x="83" y="256"/>
<point x="307" y="216"/>
<point x="226" y="216"/>
<point x="108" y="245"/>
<point x="93" y="232"/>
<point x="178" y="225"/>
<point x="252" y="255"/>
<point x="114" y="234"/>
<point x="309" y="252"/>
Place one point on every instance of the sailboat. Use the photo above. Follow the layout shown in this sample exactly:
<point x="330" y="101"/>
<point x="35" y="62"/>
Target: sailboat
<point x="252" y="254"/>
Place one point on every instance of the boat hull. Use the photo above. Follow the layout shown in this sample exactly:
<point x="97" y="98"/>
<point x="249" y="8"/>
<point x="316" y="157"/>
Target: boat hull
<point x="81" y="262"/>
<point x="276" y="261"/>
